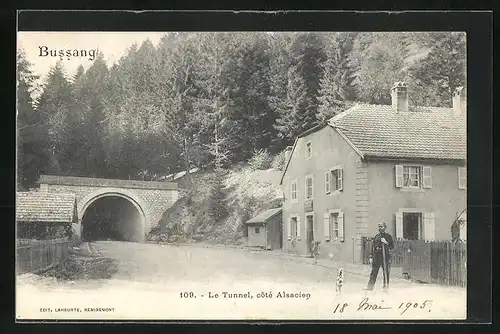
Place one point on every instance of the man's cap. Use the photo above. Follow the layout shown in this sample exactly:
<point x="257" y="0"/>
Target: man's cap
<point x="382" y="224"/>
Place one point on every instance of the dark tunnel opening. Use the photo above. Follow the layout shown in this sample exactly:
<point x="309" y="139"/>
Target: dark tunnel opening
<point x="112" y="218"/>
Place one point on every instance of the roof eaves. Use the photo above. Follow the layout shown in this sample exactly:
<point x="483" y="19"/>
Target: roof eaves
<point x="381" y="157"/>
<point x="346" y="138"/>
<point x="303" y="134"/>
<point x="312" y="130"/>
<point x="257" y="221"/>
<point x="288" y="162"/>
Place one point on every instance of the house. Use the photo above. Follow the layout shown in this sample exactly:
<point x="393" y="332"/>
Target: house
<point x="265" y="230"/>
<point x="401" y="164"/>
<point x="44" y="215"/>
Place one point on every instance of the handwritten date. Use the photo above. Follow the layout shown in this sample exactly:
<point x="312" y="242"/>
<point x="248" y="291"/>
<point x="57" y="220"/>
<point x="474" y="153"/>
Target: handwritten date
<point x="367" y="305"/>
<point x="406" y="306"/>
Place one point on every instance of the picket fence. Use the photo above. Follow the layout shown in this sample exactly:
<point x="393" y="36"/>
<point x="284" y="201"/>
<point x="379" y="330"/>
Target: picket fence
<point x="37" y="255"/>
<point x="436" y="262"/>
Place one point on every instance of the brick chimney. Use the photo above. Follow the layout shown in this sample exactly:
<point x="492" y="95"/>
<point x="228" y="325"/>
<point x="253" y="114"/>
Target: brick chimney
<point x="399" y="95"/>
<point x="459" y="101"/>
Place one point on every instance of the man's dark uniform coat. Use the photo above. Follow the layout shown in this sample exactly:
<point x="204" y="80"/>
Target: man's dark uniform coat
<point x="376" y="255"/>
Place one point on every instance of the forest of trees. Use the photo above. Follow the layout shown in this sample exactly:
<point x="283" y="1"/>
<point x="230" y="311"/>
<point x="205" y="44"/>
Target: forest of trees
<point x="213" y="99"/>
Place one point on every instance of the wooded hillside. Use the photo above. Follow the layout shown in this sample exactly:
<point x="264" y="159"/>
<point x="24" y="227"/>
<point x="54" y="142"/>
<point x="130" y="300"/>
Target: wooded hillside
<point x="213" y="99"/>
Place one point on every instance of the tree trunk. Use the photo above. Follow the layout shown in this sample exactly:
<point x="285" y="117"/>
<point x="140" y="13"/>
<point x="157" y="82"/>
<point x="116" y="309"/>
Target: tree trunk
<point x="186" y="162"/>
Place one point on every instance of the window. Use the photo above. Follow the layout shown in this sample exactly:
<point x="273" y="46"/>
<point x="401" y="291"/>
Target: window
<point x="257" y="230"/>
<point x="412" y="224"/>
<point x="408" y="176"/>
<point x="462" y="178"/>
<point x="334" y="225"/>
<point x="293" y="190"/>
<point x="337" y="179"/>
<point x="411" y="176"/>
<point x="309" y="187"/>
<point x="308" y="150"/>
<point x="334" y="180"/>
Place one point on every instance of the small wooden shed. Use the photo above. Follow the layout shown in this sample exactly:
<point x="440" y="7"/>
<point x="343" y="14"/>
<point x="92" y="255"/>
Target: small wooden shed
<point x="265" y="230"/>
<point x="44" y="215"/>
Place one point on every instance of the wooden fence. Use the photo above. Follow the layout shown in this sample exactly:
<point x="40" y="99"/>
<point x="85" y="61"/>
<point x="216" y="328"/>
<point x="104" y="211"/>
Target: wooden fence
<point x="401" y="247"/>
<point x="36" y="255"/>
<point x="437" y="262"/>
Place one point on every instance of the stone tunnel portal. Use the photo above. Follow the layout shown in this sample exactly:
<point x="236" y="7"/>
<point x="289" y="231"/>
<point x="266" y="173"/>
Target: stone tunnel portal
<point x="112" y="218"/>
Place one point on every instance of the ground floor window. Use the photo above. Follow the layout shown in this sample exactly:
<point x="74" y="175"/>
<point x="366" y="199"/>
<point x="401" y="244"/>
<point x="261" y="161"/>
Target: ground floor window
<point x="257" y="230"/>
<point x="415" y="224"/>
<point x="412" y="225"/>
<point x="334" y="225"/>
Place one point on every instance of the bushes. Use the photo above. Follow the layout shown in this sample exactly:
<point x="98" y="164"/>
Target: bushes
<point x="44" y="231"/>
<point x="261" y="159"/>
<point x="216" y="208"/>
<point x="279" y="161"/>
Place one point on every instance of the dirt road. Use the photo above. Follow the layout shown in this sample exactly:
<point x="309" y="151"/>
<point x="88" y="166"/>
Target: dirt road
<point x="190" y="282"/>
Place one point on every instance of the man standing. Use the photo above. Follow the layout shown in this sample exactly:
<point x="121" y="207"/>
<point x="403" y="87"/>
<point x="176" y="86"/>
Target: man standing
<point x="380" y="255"/>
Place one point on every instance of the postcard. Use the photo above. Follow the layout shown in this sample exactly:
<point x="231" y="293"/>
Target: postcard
<point x="259" y="175"/>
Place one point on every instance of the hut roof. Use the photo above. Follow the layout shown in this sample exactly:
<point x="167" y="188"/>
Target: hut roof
<point x="42" y="206"/>
<point x="264" y="216"/>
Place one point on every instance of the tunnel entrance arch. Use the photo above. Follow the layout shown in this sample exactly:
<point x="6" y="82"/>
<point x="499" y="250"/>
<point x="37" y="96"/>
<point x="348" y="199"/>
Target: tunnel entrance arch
<point x="129" y="196"/>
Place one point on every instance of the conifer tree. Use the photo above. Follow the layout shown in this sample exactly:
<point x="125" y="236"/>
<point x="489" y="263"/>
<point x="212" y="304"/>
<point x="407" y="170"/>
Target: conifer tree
<point x="32" y="134"/>
<point x="441" y="69"/>
<point x="336" y="87"/>
<point x="56" y="104"/>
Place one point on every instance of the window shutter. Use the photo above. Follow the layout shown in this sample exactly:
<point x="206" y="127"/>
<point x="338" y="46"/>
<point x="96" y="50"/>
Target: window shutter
<point x="399" y="176"/>
<point x="327" y="182"/>
<point x="341" y="226"/>
<point x="326" y="225"/>
<point x="341" y="178"/>
<point x="289" y="228"/>
<point x="306" y="189"/>
<point x="426" y="177"/>
<point x="298" y="227"/>
<point x="462" y="178"/>
<point x="399" y="225"/>
<point x="429" y="226"/>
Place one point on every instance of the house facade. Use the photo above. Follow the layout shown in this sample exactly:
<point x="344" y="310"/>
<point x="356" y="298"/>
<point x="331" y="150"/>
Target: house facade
<point x="395" y="163"/>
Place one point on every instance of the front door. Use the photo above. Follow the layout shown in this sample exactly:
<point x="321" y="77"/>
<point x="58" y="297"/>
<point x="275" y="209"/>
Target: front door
<point x="310" y="232"/>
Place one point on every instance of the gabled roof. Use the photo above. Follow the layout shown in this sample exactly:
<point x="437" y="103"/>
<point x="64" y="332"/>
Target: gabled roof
<point x="264" y="216"/>
<point x="377" y="131"/>
<point x="42" y="206"/>
<point x="420" y="133"/>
